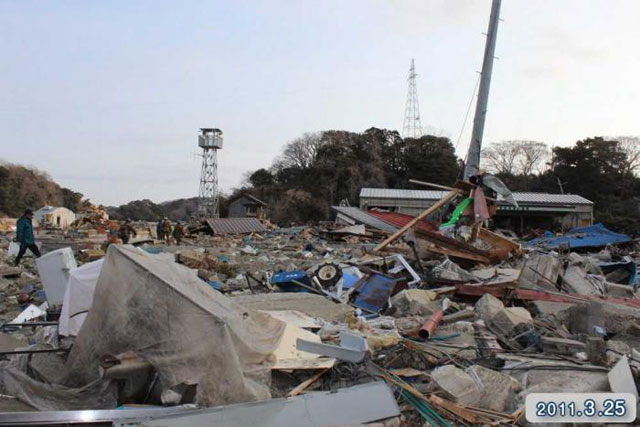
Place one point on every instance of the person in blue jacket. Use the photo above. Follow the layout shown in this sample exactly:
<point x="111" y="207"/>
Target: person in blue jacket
<point x="159" y="229"/>
<point x="24" y="236"/>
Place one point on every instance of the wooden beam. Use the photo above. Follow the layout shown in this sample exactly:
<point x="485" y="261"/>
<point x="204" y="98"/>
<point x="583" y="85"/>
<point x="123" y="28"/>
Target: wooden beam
<point x="453" y="407"/>
<point x="448" y="197"/>
<point x="304" y="384"/>
<point x="497" y="240"/>
<point x="444" y="187"/>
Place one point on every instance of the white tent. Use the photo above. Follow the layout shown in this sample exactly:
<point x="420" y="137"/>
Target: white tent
<point x="78" y="297"/>
<point x="54" y="216"/>
<point x="189" y="332"/>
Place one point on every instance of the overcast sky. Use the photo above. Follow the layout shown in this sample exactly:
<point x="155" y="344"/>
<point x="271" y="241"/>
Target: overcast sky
<point x="108" y="96"/>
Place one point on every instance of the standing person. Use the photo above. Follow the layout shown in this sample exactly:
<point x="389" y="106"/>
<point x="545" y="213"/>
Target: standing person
<point x="178" y="232"/>
<point x="24" y="236"/>
<point x="159" y="230"/>
<point x="126" y="230"/>
<point x="166" y="230"/>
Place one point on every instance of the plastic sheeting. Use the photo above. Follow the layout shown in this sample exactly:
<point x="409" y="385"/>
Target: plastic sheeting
<point x="78" y="297"/>
<point x="592" y="236"/>
<point x="51" y="397"/>
<point x="187" y="330"/>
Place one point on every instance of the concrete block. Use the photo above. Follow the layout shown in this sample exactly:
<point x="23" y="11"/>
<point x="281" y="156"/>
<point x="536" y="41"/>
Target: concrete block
<point x="487" y="307"/>
<point x="477" y="386"/>
<point x="415" y="302"/>
<point x="456" y="384"/>
<point x="540" y="272"/>
<point x="575" y="280"/>
<point x="508" y="318"/>
<point x="583" y="317"/>
<point x="597" y="351"/>
<point x="619" y="291"/>
<point x="561" y="345"/>
<point x="498" y="389"/>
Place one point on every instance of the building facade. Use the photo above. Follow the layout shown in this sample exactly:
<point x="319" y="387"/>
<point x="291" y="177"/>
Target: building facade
<point x="51" y="216"/>
<point x="247" y="206"/>
<point x="535" y="210"/>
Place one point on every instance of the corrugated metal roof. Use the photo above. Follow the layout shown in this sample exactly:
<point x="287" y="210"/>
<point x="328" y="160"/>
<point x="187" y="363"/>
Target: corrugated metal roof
<point x="537" y="198"/>
<point x="235" y="225"/>
<point x="362" y="217"/>
<point x="399" y="220"/>
<point x="397" y="193"/>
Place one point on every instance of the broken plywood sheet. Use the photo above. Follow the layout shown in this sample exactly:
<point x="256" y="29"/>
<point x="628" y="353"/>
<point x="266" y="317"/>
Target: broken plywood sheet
<point x="295" y="318"/>
<point x="298" y="364"/>
<point x="310" y="304"/>
<point x="289" y="357"/>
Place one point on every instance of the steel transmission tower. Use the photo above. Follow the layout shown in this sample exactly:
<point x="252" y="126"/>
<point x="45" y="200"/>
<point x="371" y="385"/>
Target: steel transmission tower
<point x="210" y="140"/>
<point x="412" y="128"/>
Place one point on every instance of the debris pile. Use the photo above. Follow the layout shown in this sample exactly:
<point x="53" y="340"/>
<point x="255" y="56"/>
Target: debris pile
<point x="406" y="322"/>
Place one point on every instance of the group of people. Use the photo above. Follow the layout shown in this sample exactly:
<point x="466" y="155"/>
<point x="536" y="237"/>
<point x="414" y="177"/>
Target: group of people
<point x="165" y="231"/>
<point x="26" y="238"/>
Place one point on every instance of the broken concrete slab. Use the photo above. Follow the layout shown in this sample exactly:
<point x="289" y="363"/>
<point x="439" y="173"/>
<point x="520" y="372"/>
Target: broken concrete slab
<point x="621" y="378"/>
<point x="576" y="280"/>
<point x="487" y="307"/>
<point x="619" y="291"/>
<point x="584" y="317"/>
<point x="565" y="381"/>
<point x="457" y="385"/>
<point x="498" y="389"/>
<point x="548" y="308"/>
<point x="508" y="318"/>
<point x="540" y="272"/>
<point x="477" y="386"/>
<point x="416" y="302"/>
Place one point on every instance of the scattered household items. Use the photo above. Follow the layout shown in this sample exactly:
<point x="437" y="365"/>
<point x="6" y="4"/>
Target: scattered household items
<point x="379" y="317"/>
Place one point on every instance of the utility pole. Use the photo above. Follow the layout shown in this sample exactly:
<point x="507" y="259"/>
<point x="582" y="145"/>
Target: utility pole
<point x="210" y="140"/>
<point x="412" y="128"/>
<point x="473" y="156"/>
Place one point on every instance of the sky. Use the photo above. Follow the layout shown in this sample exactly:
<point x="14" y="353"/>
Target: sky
<point x="108" y="96"/>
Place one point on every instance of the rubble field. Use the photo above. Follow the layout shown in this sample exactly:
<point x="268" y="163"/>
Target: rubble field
<point x="324" y="324"/>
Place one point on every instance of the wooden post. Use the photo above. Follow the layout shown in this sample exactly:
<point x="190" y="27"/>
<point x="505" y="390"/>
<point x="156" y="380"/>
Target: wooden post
<point x="449" y="196"/>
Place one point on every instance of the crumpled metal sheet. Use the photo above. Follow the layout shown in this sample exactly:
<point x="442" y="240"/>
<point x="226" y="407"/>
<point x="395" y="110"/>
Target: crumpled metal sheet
<point x="235" y="225"/>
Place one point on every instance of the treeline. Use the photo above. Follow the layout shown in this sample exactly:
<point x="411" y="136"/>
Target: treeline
<point x="322" y="169"/>
<point x="175" y="210"/>
<point x="603" y="170"/>
<point x="28" y="188"/>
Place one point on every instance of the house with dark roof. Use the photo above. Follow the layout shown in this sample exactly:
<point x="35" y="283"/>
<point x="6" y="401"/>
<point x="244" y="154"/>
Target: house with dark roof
<point x="535" y="210"/>
<point x="247" y="206"/>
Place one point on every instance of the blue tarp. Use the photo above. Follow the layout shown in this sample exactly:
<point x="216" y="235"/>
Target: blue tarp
<point x="375" y="292"/>
<point x="592" y="236"/>
<point x="284" y="280"/>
